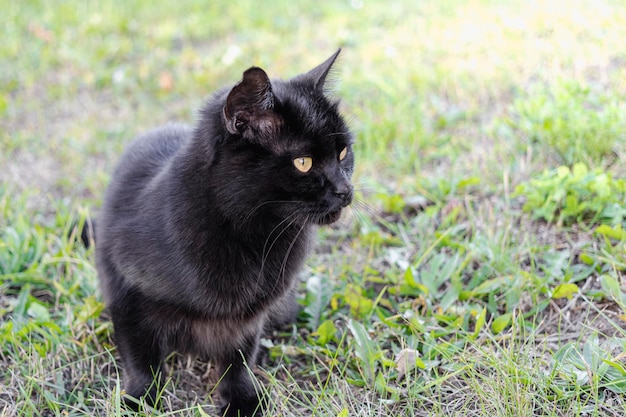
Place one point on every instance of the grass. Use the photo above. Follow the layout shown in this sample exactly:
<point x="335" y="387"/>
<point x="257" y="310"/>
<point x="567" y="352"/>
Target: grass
<point x="481" y="271"/>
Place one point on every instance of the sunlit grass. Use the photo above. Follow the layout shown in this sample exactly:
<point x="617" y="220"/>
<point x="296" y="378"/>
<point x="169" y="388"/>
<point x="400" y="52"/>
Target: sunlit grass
<point x="495" y="292"/>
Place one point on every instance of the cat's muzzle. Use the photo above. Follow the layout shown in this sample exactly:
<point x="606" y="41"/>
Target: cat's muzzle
<point x="337" y="202"/>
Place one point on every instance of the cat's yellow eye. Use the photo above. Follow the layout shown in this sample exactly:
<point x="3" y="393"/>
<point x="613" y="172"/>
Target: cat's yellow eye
<point x="303" y="164"/>
<point x="343" y="153"/>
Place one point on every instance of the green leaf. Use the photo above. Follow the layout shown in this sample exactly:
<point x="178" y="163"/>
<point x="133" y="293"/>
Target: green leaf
<point x="365" y="349"/>
<point x="579" y="195"/>
<point x="381" y="384"/>
<point x="409" y="278"/>
<point x="360" y="306"/>
<point x="466" y="182"/>
<point x="591" y="351"/>
<point x="486" y="287"/>
<point x="38" y="311"/>
<point x="617" y="366"/>
<point x="616" y="233"/>
<point x="343" y="413"/>
<point x="586" y="258"/>
<point x="4" y="103"/>
<point x="392" y="203"/>
<point x="611" y="288"/>
<point x="22" y="302"/>
<point x="326" y="332"/>
<point x="480" y="322"/>
<point x="501" y="323"/>
<point x="566" y="290"/>
<point x="563" y="172"/>
<point x="579" y="170"/>
<point x="90" y="309"/>
<point x="319" y="292"/>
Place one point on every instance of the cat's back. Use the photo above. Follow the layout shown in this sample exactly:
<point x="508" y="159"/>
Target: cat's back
<point x="127" y="221"/>
<point x="131" y="192"/>
<point x="144" y="159"/>
<point x="149" y="152"/>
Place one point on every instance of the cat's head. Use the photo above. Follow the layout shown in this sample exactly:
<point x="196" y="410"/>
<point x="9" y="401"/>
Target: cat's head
<point x="286" y="149"/>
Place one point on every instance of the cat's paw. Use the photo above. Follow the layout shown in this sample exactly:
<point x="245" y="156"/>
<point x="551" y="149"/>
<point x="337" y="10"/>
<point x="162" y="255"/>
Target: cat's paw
<point x="140" y="397"/>
<point x="243" y="408"/>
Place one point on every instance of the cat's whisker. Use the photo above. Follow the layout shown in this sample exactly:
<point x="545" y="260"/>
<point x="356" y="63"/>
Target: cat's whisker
<point x="257" y="207"/>
<point x="357" y="213"/>
<point x="292" y="218"/>
<point x="286" y="257"/>
<point x="337" y="134"/>
<point x="371" y="212"/>
<point x="364" y="187"/>
<point x="367" y="207"/>
<point x="265" y="253"/>
<point x="373" y="216"/>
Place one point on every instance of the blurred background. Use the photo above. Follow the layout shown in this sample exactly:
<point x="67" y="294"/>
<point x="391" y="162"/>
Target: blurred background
<point x="433" y="89"/>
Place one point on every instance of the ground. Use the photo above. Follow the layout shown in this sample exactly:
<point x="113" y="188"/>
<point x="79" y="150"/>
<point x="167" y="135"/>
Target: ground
<point x="486" y="243"/>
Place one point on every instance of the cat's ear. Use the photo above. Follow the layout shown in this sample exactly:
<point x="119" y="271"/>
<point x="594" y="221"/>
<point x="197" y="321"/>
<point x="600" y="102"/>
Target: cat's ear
<point x="317" y="75"/>
<point x="249" y="107"/>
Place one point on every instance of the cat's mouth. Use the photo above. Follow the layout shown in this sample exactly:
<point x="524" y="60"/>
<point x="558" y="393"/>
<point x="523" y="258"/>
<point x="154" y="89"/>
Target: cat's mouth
<point x="330" y="212"/>
<point x="328" y="218"/>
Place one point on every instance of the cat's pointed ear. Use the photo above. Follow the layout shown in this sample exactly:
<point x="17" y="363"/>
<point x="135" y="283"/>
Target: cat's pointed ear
<point x="248" y="110"/>
<point x="318" y="74"/>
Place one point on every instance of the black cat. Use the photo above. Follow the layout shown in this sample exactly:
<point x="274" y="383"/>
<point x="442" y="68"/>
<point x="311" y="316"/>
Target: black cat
<point x="203" y="229"/>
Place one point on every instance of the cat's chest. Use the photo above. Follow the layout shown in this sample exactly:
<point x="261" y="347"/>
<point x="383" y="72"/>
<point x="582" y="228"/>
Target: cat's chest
<point x="237" y="277"/>
<point x="214" y="337"/>
<point x="254" y="265"/>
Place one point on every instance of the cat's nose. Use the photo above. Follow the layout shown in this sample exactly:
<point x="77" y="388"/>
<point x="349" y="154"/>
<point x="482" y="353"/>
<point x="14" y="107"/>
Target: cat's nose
<point x="344" y="193"/>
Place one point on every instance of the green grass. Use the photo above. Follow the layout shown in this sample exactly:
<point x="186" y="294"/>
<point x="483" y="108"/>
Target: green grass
<point x="487" y="244"/>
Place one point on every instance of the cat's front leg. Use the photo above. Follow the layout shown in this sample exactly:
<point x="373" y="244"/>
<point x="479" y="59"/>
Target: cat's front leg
<point x="139" y="348"/>
<point x="238" y="388"/>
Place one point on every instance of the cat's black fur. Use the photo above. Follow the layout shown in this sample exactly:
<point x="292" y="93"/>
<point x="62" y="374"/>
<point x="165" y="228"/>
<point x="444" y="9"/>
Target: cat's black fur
<point x="203" y="229"/>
